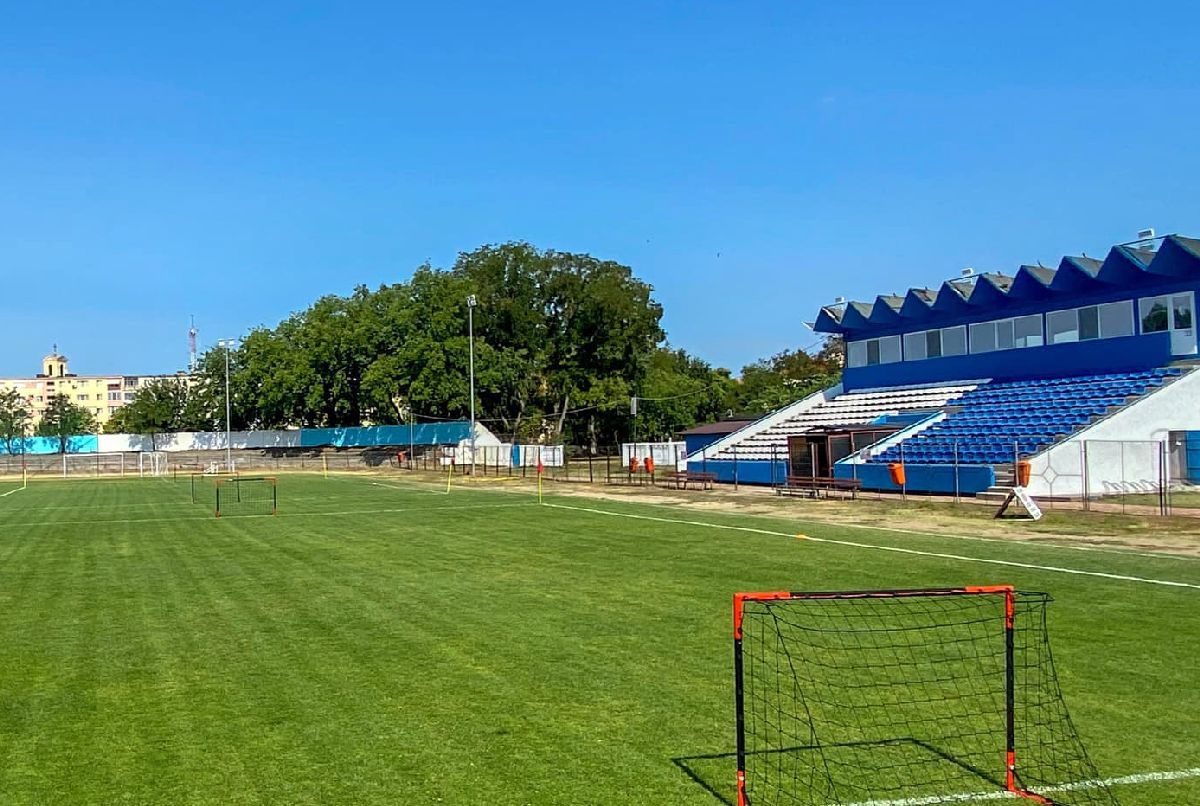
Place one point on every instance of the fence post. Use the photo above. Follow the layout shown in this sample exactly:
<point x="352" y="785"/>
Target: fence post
<point x="1122" y="444"/>
<point x="774" y="448"/>
<point x="735" y="473"/>
<point x="591" y="460"/>
<point x="1083" y="475"/>
<point x="957" y="499"/>
<point x="1164" y="472"/>
<point x="904" y="467"/>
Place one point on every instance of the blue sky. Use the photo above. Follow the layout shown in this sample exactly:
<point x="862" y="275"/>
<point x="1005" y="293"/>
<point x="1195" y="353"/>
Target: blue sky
<point x="750" y="160"/>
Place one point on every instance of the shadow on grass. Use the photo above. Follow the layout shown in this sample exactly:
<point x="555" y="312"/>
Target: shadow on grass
<point x="715" y="773"/>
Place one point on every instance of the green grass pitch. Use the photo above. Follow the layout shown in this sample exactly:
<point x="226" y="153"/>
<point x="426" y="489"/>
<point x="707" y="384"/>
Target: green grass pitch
<point x="381" y="642"/>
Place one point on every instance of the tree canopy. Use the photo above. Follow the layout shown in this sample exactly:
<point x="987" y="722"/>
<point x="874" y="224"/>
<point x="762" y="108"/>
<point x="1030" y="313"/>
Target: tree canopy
<point x="562" y="342"/>
<point x="15" y="418"/>
<point x="160" y="406"/>
<point x="63" y="419"/>
<point x="773" y="382"/>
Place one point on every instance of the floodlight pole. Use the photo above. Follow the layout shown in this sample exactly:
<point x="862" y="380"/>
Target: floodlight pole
<point x="471" y="302"/>
<point x="226" y="344"/>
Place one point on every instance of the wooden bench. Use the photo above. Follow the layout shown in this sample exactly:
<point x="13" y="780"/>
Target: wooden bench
<point x="680" y="479"/>
<point x="813" y="486"/>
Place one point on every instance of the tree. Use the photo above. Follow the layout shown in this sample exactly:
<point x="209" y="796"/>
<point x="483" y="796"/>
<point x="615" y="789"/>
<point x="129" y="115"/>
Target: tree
<point x="206" y="396"/>
<point x="561" y="341"/>
<point x="62" y="420"/>
<point x="161" y="405"/>
<point x="771" y="383"/>
<point x="679" y="392"/>
<point x="14" y="420"/>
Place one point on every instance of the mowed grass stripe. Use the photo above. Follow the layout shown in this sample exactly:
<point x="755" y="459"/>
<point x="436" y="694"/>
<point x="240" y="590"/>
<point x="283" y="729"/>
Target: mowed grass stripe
<point x="511" y="655"/>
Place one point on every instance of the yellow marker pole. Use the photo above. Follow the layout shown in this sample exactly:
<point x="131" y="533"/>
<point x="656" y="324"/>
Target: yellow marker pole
<point x="325" y="465"/>
<point x="449" y="476"/>
<point x="24" y="477"/>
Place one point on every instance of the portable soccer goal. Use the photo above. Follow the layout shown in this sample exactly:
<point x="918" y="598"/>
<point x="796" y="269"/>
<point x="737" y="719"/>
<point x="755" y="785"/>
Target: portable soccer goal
<point x="152" y="464"/>
<point x="76" y="465"/>
<point x="245" y="495"/>
<point x="903" y="698"/>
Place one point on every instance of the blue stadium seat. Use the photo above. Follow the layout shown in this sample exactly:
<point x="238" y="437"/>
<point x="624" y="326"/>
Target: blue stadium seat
<point x="989" y="422"/>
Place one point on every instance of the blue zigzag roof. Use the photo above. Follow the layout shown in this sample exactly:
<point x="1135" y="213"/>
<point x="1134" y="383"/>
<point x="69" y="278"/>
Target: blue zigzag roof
<point x="1177" y="258"/>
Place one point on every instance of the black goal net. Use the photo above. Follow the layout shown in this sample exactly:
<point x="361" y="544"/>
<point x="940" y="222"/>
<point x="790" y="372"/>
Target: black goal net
<point x="903" y="698"/>
<point x="246" y="495"/>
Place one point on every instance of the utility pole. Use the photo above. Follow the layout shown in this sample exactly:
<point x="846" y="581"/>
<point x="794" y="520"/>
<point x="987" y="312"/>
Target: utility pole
<point x="471" y="302"/>
<point x="227" y="345"/>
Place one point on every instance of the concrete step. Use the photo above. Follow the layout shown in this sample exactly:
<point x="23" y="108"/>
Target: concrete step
<point x="997" y="494"/>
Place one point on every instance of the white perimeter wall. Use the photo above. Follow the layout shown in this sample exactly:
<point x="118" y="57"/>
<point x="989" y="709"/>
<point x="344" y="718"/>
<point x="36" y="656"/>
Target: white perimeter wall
<point x="666" y="454"/>
<point x="198" y="441"/>
<point x="1113" y="467"/>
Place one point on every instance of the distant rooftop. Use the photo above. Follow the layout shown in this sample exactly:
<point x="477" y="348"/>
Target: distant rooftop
<point x="720" y="427"/>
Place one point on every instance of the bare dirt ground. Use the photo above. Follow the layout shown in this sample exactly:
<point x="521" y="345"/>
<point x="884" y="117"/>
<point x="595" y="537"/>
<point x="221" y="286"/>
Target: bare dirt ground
<point x="1099" y="527"/>
<point x="1138" y="528"/>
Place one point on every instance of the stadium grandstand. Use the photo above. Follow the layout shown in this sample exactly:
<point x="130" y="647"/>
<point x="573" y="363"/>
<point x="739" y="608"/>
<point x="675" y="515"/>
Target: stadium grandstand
<point x="964" y="384"/>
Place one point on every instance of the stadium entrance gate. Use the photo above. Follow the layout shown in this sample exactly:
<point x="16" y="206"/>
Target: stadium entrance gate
<point x="814" y="454"/>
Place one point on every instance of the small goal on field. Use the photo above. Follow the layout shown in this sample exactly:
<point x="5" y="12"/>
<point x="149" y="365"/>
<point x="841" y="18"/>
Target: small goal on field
<point x="83" y="465"/>
<point x="244" y="495"/>
<point x="903" y="698"/>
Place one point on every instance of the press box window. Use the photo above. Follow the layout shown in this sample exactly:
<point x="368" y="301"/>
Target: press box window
<point x="1062" y="326"/>
<point x="954" y="340"/>
<point x="856" y="353"/>
<point x="983" y="337"/>
<point x="1116" y="319"/>
<point x="1027" y="331"/>
<point x="914" y="346"/>
<point x="1154" y="314"/>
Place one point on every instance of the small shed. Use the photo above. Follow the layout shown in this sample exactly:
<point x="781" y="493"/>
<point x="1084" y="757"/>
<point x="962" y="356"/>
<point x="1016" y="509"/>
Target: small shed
<point x="702" y="436"/>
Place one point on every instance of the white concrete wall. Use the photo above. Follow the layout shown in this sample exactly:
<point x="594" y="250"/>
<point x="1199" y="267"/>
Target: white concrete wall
<point x="198" y="441"/>
<point x="1112" y="467"/>
<point x="112" y="443"/>
<point x="549" y="455"/>
<point x="666" y="454"/>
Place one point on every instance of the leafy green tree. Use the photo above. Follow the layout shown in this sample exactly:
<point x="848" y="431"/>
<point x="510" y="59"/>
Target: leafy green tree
<point x="561" y="341"/>
<point x="783" y="378"/>
<point x="160" y="406"/>
<point x="15" y="417"/>
<point x="679" y="392"/>
<point x="62" y="420"/>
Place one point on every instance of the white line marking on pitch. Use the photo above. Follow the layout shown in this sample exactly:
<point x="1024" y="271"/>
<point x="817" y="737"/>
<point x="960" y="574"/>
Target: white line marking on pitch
<point x="210" y="519"/>
<point x="410" y="489"/>
<point x="895" y="549"/>
<point x="10" y="492"/>
<point x="1009" y="541"/>
<point x="966" y="797"/>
